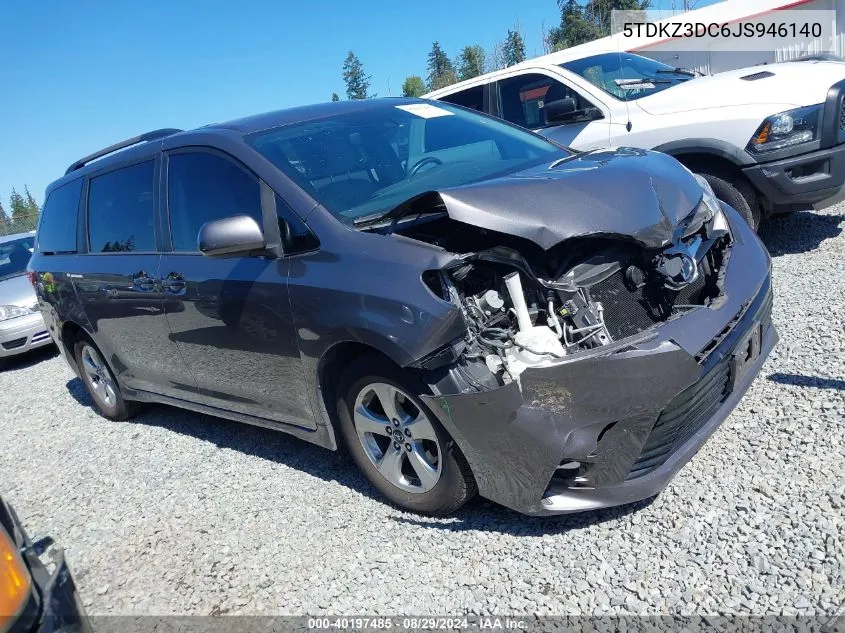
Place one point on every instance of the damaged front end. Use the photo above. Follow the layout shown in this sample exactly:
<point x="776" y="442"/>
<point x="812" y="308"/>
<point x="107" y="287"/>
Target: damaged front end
<point x="528" y="307"/>
<point x="591" y="371"/>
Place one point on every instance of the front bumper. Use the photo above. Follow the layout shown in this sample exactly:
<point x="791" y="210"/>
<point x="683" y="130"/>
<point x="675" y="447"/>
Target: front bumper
<point x="22" y="334"/>
<point x="801" y="180"/>
<point x="54" y="606"/>
<point x="631" y="414"/>
<point x="816" y="178"/>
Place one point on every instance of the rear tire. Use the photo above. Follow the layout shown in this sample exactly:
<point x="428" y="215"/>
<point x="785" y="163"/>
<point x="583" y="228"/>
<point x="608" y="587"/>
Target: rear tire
<point x="100" y="383"/>
<point x="737" y="192"/>
<point x="427" y="473"/>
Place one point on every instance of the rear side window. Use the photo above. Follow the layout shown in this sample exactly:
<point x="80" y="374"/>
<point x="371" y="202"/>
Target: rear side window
<point x="469" y="98"/>
<point x="202" y="187"/>
<point x="57" y="230"/>
<point x="121" y="210"/>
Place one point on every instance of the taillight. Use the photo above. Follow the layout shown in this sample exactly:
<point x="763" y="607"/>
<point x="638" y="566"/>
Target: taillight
<point x="15" y="582"/>
<point x="32" y="277"/>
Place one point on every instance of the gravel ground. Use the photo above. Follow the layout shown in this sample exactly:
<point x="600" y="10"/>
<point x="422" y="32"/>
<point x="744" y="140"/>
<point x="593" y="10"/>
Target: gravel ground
<point x="180" y="513"/>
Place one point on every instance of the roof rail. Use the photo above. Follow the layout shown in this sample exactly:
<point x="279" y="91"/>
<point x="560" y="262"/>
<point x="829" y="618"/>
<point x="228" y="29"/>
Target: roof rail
<point x="142" y="138"/>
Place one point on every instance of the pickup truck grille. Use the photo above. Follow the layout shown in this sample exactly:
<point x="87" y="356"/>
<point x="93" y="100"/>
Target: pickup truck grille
<point x="842" y="117"/>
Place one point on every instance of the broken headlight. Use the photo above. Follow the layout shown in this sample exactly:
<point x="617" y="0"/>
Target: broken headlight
<point x="786" y="129"/>
<point x="707" y="209"/>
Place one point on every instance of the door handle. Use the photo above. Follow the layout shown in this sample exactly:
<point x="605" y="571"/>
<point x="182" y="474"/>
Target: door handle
<point x="142" y="281"/>
<point x="174" y="283"/>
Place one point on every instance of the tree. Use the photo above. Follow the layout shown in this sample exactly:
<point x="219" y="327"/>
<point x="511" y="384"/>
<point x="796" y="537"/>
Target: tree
<point x="513" y="50"/>
<point x="32" y="208"/>
<point x="575" y="28"/>
<point x="413" y="86"/>
<point x="441" y="72"/>
<point x="5" y="222"/>
<point x="599" y="12"/>
<point x="17" y="205"/>
<point x="335" y="97"/>
<point x="357" y="83"/>
<point x="472" y="62"/>
<point x="580" y="24"/>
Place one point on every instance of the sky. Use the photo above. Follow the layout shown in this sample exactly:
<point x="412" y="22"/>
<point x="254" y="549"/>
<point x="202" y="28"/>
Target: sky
<point x="78" y="76"/>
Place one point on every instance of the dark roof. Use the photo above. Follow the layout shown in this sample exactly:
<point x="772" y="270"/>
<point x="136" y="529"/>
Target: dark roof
<point x="297" y="114"/>
<point x="244" y="126"/>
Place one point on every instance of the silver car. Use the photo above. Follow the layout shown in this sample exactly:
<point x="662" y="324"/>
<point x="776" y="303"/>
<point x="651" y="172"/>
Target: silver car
<point x="21" y="325"/>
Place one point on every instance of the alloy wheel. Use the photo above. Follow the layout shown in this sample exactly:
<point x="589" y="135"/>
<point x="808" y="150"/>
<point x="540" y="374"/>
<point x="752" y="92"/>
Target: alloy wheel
<point x="397" y="437"/>
<point x="99" y="377"/>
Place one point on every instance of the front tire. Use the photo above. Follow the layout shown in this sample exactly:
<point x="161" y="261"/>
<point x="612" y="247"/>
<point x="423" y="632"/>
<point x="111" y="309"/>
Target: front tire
<point x="100" y="383"/>
<point x="737" y="192"/>
<point x="397" y="443"/>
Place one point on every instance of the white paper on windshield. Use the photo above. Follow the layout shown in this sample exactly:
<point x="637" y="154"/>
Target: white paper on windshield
<point x="424" y="110"/>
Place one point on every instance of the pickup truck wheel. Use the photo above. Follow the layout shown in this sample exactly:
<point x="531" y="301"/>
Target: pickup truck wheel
<point x="397" y="443"/>
<point x="736" y="192"/>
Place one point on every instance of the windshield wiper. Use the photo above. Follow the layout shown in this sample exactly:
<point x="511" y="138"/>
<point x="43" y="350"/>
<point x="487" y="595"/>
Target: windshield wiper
<point x="373" y="218"/>
<point x="632" y="83"/>
<point x="680" y="71"/>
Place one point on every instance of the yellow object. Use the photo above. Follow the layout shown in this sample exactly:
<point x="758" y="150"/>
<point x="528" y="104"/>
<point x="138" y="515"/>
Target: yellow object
<point x="15" y="583"/>
<point x="763" y="135"/>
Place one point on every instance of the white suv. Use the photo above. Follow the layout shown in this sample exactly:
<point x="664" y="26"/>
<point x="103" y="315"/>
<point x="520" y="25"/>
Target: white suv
<point x="770" y="139"/>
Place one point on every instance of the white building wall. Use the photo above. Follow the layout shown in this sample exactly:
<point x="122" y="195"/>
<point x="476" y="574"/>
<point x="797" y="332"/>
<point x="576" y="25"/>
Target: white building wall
<point x="709" y="61"/>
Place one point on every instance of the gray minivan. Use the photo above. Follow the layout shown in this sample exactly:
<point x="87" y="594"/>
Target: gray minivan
<point x="465" y="305"/>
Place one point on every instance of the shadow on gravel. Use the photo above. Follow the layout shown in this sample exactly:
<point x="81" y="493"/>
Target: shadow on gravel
<point x="251" y="440"/>
<point x="479" y="514"/>
<point x="800" y="232"/>
<point x="28" y="359"/>
<point x="485" y="516"/>
<point x="798" y="380"/>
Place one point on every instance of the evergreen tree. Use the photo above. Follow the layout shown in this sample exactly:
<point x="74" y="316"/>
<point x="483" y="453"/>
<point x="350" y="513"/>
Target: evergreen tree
<point x="513" y="50"/>
<point x="32" y="208"/>
<point x="575" y="28"/>
<point x="335" y="97"/>
<point x="471" y="62"/>
<point x="441" y="72"/>
<point x="17" y="205"/>
<point x="413" y="86"/>
<point x="599" y="12"/>
<point x="5" y="222"/>
<point x="357" y="83"/>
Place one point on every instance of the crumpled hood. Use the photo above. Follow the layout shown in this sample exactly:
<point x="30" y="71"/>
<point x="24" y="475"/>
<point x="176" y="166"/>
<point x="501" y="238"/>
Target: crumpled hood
<point x="625" y="192"/>
<point x="792" y="84"/>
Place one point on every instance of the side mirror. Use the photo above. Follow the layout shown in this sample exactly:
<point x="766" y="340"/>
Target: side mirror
<point x="559" y="110"/>
<point x="230" y="237"/>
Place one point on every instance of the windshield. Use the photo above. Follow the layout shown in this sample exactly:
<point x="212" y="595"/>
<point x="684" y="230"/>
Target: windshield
<point x="627" y="77"/>
<point x="365" y="163"/>
<point x="15" y="255"/>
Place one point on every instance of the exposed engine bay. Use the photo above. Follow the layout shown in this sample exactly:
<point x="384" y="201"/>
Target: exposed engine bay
<point x="529" y="307"/>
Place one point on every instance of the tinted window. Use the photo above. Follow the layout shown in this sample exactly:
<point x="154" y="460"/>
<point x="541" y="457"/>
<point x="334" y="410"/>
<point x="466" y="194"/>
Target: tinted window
<point x="522" y="98"/>
<point x="469" y="98"/>
<point x="367" y="161"/>
<point x="296" y="236"/>
<point x="14" y="256"/>
<point x="203" y="187"/>
<point x="57" y="230"/>
<point x="121" y="211"/>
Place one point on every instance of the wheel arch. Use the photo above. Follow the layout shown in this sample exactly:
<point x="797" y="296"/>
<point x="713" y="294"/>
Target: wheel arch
<point x="330" y="367"/>
<point x="71" y="333"/>
<point x="716" y="157"/>
<point x="707" y="149"/>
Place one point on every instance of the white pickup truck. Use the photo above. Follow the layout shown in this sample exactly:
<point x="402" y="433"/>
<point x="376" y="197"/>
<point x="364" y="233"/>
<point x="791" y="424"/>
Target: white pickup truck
<point x="770" y="139"/>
